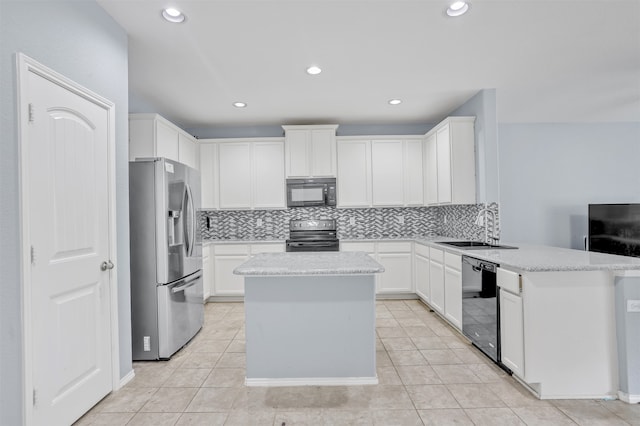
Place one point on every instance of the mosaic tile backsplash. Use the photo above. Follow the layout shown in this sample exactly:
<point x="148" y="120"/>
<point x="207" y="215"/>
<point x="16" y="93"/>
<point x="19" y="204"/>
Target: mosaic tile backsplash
<point x="255" y="225"/>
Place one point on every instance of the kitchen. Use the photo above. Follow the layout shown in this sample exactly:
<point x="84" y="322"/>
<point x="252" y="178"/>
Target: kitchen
<point x="542" y="185"/>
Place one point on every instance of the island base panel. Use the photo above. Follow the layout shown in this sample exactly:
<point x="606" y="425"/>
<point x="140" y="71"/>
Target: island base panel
<point x="310" y="329"/>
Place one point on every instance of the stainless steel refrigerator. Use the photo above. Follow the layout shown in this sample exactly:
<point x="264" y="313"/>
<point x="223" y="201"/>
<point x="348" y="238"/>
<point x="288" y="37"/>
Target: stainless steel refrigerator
<point x="166" y="257"/>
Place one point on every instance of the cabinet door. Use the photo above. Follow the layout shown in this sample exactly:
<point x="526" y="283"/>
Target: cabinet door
<point x="268" y="175"/>
<point x="235" y="175"/>
<point x="209" y="175"/>
<point x="297" y="152"/>
<point x="387" y="176"/>
<point x="207" y="271"/>
<point x="512" y="332"/>
<point x="413" y="176"/>
<point x="354" y="178"/>
<point x="397" y="277"/>
<point x="444" y="164"/>
<point x="166" y="141"/>
<point x="225" y="282"/>
<point x="187" y="151"/>
<point x="436" y="281"/>
<point x="323" y="152"/>
<point x="422" y="277"/>
<point x="453" y="296"/>
<point x="431" y="170"/>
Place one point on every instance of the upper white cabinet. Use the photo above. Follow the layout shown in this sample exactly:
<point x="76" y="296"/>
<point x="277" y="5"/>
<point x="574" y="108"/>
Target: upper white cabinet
<point x="380" y="172"/>
<point x="151" y="135"/>
<point x="243" y="174"/>
<point x="449" y="161"/>
<point x="310" y="151"/>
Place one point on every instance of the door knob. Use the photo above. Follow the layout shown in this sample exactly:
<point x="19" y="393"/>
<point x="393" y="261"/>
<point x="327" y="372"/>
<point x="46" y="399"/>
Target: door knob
<point x="106" y="265"/>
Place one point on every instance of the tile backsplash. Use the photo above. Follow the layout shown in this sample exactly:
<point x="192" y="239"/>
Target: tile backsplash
<point x="407" y="222"/>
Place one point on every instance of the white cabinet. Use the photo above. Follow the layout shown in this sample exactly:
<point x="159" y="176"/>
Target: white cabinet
<point x="395" y="256"/>
<point x="235" y="175"/>
<point x="421" y="274"/>
<point x="227" y="257"/>
<point x="207" y="271"/>
<point x="453" y="289"/>
<point x="209" y="175"/>
<point x="511" y="321"/>
<point x="380" y="172"/>
<point x="243" y="174"/>
<point x="449" y="161"/>
<point x="268" y="183"/>
<point x="436" y="279"/>
<point x="354" y="173"/>
<point x="310" y="151"/>
<point x="387" y="175"/>
<point x="151" y="135"/>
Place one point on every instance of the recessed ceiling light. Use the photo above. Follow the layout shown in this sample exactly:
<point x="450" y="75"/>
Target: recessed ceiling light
<point x="313" y="70"/>
<point x="458" y="8"/>
<point x="239" y="104"/>
<point x="395" y="101"/>
<point x="173" y="15"/>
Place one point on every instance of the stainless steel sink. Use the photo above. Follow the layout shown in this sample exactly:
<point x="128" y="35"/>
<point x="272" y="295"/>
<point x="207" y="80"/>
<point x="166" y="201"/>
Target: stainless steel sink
<point x="474" y="245"/>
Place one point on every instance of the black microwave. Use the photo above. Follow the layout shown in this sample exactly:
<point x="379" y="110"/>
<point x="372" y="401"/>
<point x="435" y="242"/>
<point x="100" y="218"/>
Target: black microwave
<point x="311" y="192"/>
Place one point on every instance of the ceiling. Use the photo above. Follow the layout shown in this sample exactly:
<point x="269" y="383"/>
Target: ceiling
<point x="549" y="60"/>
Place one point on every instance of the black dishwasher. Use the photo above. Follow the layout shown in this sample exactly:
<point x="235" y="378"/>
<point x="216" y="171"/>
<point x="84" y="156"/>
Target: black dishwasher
<point x="480" y="306"/>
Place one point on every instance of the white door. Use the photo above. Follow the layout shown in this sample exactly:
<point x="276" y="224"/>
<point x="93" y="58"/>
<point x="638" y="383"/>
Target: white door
<point x="68" y="217"/>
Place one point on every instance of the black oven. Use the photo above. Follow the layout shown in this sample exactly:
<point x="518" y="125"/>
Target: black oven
<point x="312" y="235"/>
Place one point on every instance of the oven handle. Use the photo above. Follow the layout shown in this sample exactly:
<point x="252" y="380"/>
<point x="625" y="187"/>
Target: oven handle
<point x="312" y="244"/>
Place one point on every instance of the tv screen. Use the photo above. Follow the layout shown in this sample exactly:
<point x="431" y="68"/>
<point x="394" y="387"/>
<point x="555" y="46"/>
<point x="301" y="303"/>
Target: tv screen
<point x="615" y="229"/>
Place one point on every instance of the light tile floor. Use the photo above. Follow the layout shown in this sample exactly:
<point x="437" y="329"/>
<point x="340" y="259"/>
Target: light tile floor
<point x="428" y="375"/>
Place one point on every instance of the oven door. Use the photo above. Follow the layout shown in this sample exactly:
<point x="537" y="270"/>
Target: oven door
<point x="300" y="246"/>
<point x="308" y="194"/>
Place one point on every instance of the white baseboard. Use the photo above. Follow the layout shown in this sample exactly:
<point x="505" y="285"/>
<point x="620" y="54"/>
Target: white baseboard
<point x="126" y="379"/>
<point x="629" y="399"/>
<point x="313" y="381"/>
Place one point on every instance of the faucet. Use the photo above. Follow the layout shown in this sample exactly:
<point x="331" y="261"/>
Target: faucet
<point x="481" y="220"/>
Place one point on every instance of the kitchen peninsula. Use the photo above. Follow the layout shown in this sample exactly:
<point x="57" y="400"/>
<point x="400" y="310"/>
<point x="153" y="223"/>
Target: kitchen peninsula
<point x="310" y="318"/>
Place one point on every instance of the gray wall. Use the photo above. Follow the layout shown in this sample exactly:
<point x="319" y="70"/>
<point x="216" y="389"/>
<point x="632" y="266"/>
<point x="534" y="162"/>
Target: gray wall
<point x="483" y="107"/>
<point x="81" y="41"/>
<point x="277" y="131"/>
<point x="549" y="173"/>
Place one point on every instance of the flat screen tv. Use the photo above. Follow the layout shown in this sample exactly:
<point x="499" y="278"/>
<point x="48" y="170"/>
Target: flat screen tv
<point x="615" y="229"/>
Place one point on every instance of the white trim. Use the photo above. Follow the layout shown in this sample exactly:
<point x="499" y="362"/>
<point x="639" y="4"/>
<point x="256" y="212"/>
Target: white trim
<point x="627" y="273"/>
<point x="127" y="378"/>
<point x="25" y="65"/>
<point x="312" y="381"/>
<point x="629" y="399"/>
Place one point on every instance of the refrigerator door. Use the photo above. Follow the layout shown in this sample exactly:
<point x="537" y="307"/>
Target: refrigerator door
<point x="178" y="233"/>
<point x="180" y="313"/>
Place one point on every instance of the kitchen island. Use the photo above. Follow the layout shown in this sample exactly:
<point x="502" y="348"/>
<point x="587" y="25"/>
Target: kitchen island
<point x="310" y="318"/>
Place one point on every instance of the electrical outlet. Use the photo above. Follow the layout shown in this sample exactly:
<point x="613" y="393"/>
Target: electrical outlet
<point x="400" y="219"/>
<point x="352" y="221"/>
<point x="146" y="343"/>
<point x="633" y="305"/>
<point x="444" y="220"/>
<point x="259" y="222"/>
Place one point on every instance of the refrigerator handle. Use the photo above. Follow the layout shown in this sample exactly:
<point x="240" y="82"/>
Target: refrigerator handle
<point x="192" y="219"/>
<point x="187" y="283"/>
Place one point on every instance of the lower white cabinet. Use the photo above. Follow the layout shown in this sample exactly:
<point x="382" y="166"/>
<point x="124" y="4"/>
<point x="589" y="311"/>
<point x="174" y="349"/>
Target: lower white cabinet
<point x="396" y="257"/>
<point x="227" y="257"/>
<point x="421" y="275"/>
<point x="511" y="321"/>
<point x="436" y="279"/>
<point x="207" y="271"/>
<point x="453" y="289"/>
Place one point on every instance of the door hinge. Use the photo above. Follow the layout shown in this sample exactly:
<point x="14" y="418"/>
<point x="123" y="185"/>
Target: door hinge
<point x="33" y="255"/>
<point x="35" y="397"/>
<point x="32" y="113"/>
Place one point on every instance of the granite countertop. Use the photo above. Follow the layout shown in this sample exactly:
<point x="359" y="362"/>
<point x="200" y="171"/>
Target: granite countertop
<point x="534" y="258"/>
<point x="220" y="242"/>
<point x="320" y="263"/>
